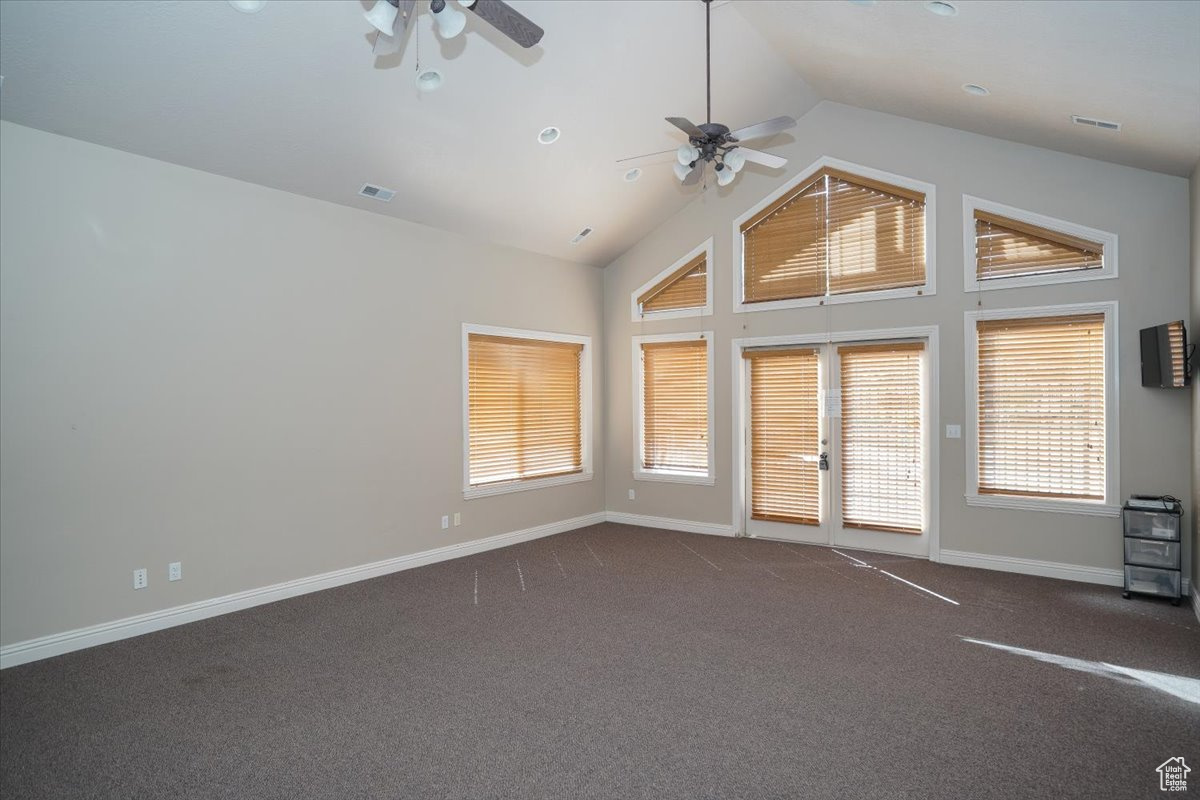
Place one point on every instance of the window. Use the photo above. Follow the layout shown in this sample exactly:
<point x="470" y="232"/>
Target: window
<point x="1043" y="408"/>
<point x="785" y="436"/>
<point x="842" y="233"/>
<point x="526" y="409"/>
<point x="683" y="289"/>
<point x="882" y="446"/>
<point x="1008" y="247"/>
<point x="674" y="407"/>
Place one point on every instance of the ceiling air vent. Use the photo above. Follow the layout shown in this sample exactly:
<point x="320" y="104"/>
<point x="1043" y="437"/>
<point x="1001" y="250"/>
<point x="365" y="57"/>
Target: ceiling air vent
<point x="579" y="237"/>
<point x="1095" y="123"/>
<point x="377" y="192"/>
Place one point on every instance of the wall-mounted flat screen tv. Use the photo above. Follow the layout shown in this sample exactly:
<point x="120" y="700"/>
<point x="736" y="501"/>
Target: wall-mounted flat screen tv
<point x="1165" y="356"/>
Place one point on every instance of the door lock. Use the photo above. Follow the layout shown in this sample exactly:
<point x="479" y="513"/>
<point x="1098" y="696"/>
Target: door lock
<point x="823" y="464"/>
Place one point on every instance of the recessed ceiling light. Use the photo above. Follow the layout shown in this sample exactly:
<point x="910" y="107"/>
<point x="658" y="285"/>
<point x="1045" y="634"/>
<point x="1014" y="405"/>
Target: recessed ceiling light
<point x="429" y="80"/>
<point x="248" y="6"/>
<point x="549" y="135"/>
<point x="942" y="8"/>
<point x="633" y="174"/>
<point x="976" y="89"/>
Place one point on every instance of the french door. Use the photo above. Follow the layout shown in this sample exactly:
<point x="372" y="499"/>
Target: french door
<point x="837" y="445"/>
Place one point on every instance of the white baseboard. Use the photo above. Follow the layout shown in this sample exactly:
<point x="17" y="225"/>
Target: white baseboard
<point x="710" y="528"/>
<point x="1046" y="569"/>
<point x="59" y="643"/>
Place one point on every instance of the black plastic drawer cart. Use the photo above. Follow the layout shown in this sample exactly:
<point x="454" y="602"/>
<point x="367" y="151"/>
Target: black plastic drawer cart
<point x="1152" y="547"/>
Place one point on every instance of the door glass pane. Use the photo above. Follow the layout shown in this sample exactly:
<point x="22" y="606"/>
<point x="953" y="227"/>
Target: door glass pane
<point x="881" y="454"/>
<point x="784" y="436"/>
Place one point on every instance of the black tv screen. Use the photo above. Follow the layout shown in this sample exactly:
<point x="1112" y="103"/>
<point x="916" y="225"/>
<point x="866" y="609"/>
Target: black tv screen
<point x="1164" y="356"/>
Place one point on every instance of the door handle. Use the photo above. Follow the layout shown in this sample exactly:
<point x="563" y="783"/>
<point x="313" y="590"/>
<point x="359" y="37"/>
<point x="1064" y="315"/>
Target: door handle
<point x="824" y="462"/>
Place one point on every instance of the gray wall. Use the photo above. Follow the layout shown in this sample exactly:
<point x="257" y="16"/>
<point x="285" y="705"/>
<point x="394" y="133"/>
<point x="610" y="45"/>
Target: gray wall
<point x="1149" y="212"/>
<point x="257" y="384"/>
<point x="1194" y="333"/>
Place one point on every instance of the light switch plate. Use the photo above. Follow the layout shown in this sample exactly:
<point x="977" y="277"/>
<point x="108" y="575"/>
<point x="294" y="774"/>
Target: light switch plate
<point x="954" y="431"/>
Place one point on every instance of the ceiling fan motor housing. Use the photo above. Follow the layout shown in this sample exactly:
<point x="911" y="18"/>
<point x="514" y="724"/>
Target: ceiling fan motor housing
<point x="716" y="138"/>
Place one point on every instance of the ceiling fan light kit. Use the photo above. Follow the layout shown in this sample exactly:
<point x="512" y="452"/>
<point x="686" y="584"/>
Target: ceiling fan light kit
<point x="382" y="16"/>
<point x="449" y="20"/>
<point x="713" y="142"/>
<point x="392" y="19"/>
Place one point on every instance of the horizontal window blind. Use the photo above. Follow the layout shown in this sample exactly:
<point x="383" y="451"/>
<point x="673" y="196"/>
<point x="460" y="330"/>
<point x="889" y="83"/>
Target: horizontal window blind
<point x="524" y="409"/>
<point x="838" y="234"/>
<point x="675" y="407"/>
<point x="784" y="436"/>
<point x="1175" y="338"/>
<point x="1007" y="248"/>
<point x="686" y="287"/>
<point x="883" y="477"/>
<point x="1041" y="415"/>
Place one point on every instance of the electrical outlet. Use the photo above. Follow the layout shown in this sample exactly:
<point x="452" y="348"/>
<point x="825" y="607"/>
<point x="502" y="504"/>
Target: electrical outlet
<point x="457" y="519"/>
<point x="953" y="431"/>
<point x="175" y="571"/>
<point x="632" y="494"/>
<point x="139" y="578"/>
<point x="445" y="522"/>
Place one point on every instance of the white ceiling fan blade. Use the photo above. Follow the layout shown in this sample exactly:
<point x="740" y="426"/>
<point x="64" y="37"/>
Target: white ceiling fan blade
<point x="766" y="159"/>
<point x="763" y="129"/>
<point x="387" y="45"/>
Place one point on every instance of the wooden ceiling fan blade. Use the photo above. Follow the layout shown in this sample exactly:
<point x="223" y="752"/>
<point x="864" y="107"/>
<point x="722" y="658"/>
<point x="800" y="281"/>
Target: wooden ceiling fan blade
<point x="693" y="177"/>
<point x="388" y="45"/>
<point x="766" y="159"/>
<point x="648" y="158"/>
<point x="687" y="127"/>
<point x="762" y="129"/>
<point x="508" y="21"/>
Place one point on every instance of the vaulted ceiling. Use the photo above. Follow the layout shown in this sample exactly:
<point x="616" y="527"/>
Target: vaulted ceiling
<point x="292" y="98"/>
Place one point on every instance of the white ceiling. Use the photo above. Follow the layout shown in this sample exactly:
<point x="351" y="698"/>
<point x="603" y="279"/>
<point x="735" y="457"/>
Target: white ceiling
<point x="292" y="98"/>
<point x="1137" y="63"/>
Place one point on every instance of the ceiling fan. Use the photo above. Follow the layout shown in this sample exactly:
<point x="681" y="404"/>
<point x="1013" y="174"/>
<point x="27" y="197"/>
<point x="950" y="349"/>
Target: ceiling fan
<point x="392" y="17"/>
<point x="714" y="142"/>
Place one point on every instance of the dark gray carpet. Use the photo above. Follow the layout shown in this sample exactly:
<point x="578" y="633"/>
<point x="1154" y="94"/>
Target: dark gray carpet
<point x="623" y="662"/>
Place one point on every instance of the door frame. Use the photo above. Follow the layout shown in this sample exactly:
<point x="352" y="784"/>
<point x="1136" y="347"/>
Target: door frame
<point x="741" y="412"/>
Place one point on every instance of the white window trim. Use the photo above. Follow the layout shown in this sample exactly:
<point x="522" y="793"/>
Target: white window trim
<point x="933" y="469"/>
<point x="972" y="284"/>
<point x="928" y="289"/>
<point x="639" y="472"/>
<point x="585" y="411"/>
<point x="705" y="247"/>
<point x="1110" y="506"/>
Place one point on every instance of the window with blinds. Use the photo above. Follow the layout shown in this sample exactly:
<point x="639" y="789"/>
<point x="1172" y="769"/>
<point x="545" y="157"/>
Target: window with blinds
<point x="882" y="463"/>
<point x="1008" y="248"/>
<point x="675" y="407"/>
<point x="1176" y="339"/>
<point x="686" y="287"/>
<point x="1041" y="423"/>
<point x="524" y="409"/>
<point x="784" y="435"/>
<point x="837" y="234"/>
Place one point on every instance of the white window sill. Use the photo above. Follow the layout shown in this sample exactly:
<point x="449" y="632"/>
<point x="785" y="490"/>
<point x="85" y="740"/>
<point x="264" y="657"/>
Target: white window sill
<point x="675" y="313"/>
<point x="672" y="477"/>
<point x="835" y="299"/>
<point x="472" y="492"/>
<point x="1085" y="507"/>
<point x="1050" y="279"/>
